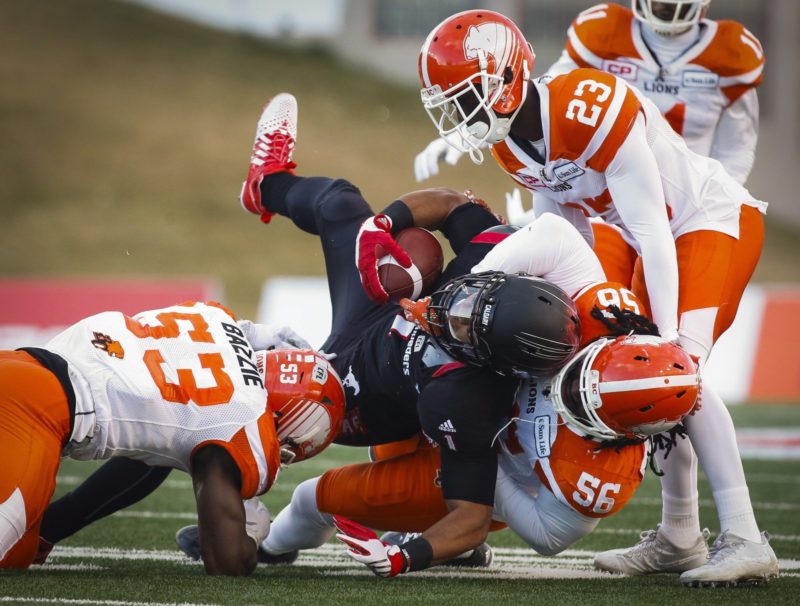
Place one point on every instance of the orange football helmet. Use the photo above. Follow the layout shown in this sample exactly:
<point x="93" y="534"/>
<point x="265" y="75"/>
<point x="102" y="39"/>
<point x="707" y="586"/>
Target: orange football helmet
<point x="475" y="67"/>
<point x="306" y="397"/>
<point x="670" y="17"/>
<point x="629" y="387"/>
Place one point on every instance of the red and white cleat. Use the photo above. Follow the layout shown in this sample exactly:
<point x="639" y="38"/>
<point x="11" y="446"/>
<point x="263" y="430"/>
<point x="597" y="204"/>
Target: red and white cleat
<point x="276" y="134"/>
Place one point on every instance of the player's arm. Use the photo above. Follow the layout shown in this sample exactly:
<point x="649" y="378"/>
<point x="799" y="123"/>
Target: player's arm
<point x="431" y="209"/>
<point x="634" y="182"/>
<point x="543" y="205"/>
<point x="736" y="135"/>
<point x="226" y="547"/>
<point x="550" y="248"/>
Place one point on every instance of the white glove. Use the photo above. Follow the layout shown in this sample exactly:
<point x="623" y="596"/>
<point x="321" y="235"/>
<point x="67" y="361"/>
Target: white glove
<point x="256" y="520"/>
<point x="515" y="212"/>
<point x="426" y="163"/>
<point x="269" y="336"/>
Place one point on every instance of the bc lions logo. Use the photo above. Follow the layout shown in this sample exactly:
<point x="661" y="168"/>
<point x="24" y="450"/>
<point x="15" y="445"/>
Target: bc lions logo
<point x="107" y="344"/>
<point x="494" y="39"/>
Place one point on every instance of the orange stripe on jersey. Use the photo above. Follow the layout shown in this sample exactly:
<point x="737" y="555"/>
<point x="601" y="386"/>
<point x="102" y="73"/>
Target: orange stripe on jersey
<point x="619" y="132"/>
<point x="506" y="158"/>
<point x="579" y="102"/>
<point x="239" y="449"/>
<point x="734" y="51"/>
<point x="605" y="30"/>
<point x="269" y="442"/>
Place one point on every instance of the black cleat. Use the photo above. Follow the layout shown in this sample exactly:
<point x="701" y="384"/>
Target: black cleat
<point x="282" y="558"/>
<point x="188" y="540"/>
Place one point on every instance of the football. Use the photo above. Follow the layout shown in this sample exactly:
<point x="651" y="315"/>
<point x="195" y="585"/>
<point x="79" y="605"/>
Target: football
<point x="418" y="280"/>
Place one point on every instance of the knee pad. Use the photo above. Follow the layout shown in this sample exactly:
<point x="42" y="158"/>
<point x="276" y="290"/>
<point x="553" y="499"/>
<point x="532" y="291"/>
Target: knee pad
<point x="343" y="201"/>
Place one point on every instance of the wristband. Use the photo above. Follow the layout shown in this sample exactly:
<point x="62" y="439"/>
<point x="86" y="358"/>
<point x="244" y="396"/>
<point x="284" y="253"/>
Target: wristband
<point x="419" y="553"/>
<point x="400" y="215"/>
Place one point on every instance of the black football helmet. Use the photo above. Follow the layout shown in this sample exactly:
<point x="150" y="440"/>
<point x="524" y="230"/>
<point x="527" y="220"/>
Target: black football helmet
<point x="516" y="323"/>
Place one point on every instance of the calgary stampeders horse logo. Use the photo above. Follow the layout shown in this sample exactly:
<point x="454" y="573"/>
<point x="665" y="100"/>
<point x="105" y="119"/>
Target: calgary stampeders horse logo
<point x="489" y="40"/>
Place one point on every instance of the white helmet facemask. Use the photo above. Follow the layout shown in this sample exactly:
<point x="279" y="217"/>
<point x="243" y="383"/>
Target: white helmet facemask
<point x="669" y="17"/>
<point x="466" y="109"/>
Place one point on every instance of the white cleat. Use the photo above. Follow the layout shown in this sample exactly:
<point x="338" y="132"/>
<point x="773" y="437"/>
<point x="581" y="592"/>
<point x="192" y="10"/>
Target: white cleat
<point x="276" y="134"/>
<point x="735" y="561"/>
<point x="653" y="554"/>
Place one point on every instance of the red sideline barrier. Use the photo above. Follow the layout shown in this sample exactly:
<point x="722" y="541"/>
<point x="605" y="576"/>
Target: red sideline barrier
<point x="45" y="302"/>
<point x="776" y="365"/>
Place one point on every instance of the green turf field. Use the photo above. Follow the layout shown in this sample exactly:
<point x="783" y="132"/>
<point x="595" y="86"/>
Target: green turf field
<point x="131" y="558"/>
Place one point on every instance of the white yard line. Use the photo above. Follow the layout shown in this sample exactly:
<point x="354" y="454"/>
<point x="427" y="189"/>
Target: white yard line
<point x="509" y="563"/>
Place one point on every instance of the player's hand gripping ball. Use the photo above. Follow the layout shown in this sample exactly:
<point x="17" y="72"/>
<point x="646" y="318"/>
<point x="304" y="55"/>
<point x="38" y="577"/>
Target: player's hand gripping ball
<point x="417" y="280"/>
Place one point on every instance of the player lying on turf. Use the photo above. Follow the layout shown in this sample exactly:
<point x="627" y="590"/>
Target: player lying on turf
<point x="397" y="379"/>
<point x="182" y="387"/>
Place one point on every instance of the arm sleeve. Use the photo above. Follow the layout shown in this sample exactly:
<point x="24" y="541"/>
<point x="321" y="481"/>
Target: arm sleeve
<point x="634" y="182"/>
<point x="548" y="248"/>
<point x="543" y="204"/>
<point x="562" y="66"/>
<point x="736" y="136"/>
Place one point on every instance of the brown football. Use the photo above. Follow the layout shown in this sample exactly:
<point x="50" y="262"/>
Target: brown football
<point x="418" y="280"/>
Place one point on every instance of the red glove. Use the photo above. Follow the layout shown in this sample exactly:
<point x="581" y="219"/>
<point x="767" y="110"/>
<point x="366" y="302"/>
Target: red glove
<point x="365" y="547"/>
<point x="375" y="240"/>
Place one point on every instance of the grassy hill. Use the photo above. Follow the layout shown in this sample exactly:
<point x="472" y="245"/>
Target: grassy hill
<point x="125" y="135"/>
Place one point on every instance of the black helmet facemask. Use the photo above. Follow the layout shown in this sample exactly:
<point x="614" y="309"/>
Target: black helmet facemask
<point x="518" y="324"/>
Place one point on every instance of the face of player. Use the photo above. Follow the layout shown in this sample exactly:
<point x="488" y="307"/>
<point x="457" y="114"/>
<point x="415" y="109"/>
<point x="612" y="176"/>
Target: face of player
<point x="459" y="315"/>
<point x="666" y="10"/>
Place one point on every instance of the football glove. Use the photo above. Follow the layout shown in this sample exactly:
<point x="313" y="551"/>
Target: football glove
<point x="364" y="546"/>
<point x="426" y="163"/>
<point x="256" y="520"/>
<point x="268" y="336"/>
<point x="373" y="241"/>
<point x="417" y="312"/>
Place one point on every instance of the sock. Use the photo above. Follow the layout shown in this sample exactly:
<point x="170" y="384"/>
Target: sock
<point x="736" y="513"/>
<point x="299" y="525"/>
<point x="680" y="515"/>
<point x="714" y="439"/>
<point x="274" y="188"/>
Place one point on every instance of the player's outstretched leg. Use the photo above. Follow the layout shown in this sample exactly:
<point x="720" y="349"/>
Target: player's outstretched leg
<point x="276" y="134"/>
<point x="653" y="554"/>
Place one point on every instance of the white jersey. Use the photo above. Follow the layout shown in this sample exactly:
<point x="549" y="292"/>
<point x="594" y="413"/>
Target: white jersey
<point x="156" y="386"/>
<point x="706" y="92"/>
<point x="609" y="153"/>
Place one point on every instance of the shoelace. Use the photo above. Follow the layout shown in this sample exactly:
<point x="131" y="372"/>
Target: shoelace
<point x="720" y="546"/>
<point x="276" y="148"/>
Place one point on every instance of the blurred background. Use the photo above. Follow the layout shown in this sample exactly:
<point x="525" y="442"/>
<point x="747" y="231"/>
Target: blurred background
<point x="126" y="129"/>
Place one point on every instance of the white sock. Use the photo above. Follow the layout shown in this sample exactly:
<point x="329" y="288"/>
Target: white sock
<point x="299" y="525"/>
<point x="714" y="439"/>
<point x="680" y="515"/>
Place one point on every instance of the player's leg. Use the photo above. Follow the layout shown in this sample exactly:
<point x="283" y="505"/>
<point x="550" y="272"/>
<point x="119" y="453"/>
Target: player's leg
<point x="741" y="552"/>
<point x="333" y="209"/>
<point x="118" y="484"/>
<point x="34" y="423"/>
<point x="714" y="270"/>
<point x="546" y="524"/>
